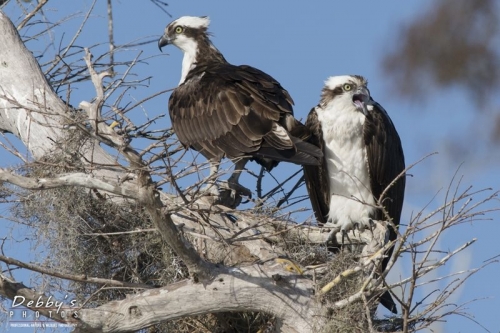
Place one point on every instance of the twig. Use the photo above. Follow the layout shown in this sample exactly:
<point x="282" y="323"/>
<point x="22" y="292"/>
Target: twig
<point x="28" y="17"/>
<point x="73" y="277"/>
<point x="110" y="37"/>
<point x="289" y="194"/>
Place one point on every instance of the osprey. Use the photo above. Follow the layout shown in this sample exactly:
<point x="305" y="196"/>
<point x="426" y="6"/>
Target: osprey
<point x="223" y="110"/>
<point x="363" y="156"/>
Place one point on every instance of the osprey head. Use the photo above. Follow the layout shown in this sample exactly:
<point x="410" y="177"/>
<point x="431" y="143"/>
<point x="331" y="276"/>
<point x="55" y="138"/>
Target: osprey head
<point x="347" y="91"/>
<point x="185" y="32"/>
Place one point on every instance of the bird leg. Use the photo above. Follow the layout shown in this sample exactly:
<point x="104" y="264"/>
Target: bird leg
<point x="211" y="182"/>
<point x="345" y="227"/>
<point x="233" y="180"/>
<point x="229" y="193"/>
<point x="332" y="235"/>
<point x="232" y="191"/>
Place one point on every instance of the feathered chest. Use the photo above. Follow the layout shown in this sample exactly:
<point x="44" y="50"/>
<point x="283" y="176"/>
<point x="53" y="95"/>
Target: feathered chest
<point x="342" y="131"/>
<point x="345" y="150"/>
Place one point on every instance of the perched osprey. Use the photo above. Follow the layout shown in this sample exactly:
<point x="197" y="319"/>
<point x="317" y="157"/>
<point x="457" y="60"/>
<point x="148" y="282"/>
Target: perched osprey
<point x="238" y="112"/>
<point x="362" y="157"/>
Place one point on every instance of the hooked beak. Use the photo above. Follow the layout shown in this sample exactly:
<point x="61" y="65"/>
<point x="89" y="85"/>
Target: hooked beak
<point x="361" y="99"/>
<point x="163" y="41"/>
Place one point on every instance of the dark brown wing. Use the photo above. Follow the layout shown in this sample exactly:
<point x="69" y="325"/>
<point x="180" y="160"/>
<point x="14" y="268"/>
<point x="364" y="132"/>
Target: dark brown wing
<point x="232" y="110"/>
<point x="386" y="161"/>
<point x="316" y="177"/>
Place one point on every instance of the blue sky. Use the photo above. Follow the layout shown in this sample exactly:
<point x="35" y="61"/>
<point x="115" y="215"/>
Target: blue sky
<point x="301" y="44"/>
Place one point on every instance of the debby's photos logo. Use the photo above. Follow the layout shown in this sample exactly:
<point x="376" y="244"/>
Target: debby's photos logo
<point x="42" y="312"/>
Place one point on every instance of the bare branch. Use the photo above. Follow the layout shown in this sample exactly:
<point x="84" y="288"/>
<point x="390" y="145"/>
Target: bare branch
<point x="111" y="36"/>
<point x="74" y="179"/>
<point x="28" y="17"/>
<point x="72" y="277"/>
<point x="11" y="289"/>
<point x="230" y="290"/>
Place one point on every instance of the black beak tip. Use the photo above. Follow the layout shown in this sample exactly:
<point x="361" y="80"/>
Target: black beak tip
<point x="162" y="42"/>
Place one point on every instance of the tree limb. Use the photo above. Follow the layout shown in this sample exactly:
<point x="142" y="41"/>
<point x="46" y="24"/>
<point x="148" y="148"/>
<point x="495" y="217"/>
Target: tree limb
<point x="11" y="290"/>
<point x="73" y="277"/>
<point x="236" y="289"/>
<point x="75" y="179"/>
<point x="32" y="111"/>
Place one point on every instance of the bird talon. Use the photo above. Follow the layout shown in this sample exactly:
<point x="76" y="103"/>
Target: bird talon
<point x="332" y="235"/>
<point x="231" y="194"/>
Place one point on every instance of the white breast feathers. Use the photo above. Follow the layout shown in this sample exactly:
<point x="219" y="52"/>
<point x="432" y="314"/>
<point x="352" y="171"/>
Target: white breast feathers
<point x="351" y="202"/>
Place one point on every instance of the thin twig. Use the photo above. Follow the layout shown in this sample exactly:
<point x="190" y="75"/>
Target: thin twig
<point x="72" y="277"/>
<point x="28" y="17"/>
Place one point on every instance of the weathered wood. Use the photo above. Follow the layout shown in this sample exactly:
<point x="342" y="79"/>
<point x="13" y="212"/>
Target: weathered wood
<point x="31" y="110"/>
<point x="238" y="289"/>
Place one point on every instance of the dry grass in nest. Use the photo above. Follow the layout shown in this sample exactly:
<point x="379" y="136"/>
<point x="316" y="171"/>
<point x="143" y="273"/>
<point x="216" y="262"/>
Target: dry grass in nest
<point x="227" y="322"/>
<point x="350" y="319"/>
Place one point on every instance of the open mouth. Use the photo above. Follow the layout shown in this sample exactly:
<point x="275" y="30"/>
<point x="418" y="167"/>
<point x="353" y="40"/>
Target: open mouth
<point x="358" y="100"/>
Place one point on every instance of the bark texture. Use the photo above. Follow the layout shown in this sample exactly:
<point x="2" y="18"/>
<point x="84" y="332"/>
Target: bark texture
<point x="29" y="107"/>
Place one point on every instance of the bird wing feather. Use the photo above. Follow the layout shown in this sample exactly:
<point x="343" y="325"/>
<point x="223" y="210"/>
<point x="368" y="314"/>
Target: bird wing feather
<point x="316" y="176"/>
<point x="231" y="107"/>
<point x="385" y="161"/>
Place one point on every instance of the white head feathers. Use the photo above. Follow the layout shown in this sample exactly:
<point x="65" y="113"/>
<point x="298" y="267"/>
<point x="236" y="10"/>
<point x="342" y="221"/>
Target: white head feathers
<point x="192" y="22"/>
<point x="334" y="81"/>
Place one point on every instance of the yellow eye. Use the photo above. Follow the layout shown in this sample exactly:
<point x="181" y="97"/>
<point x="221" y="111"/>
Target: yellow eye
<point x="347" y="87"/>
<point x="179" y="29"/>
